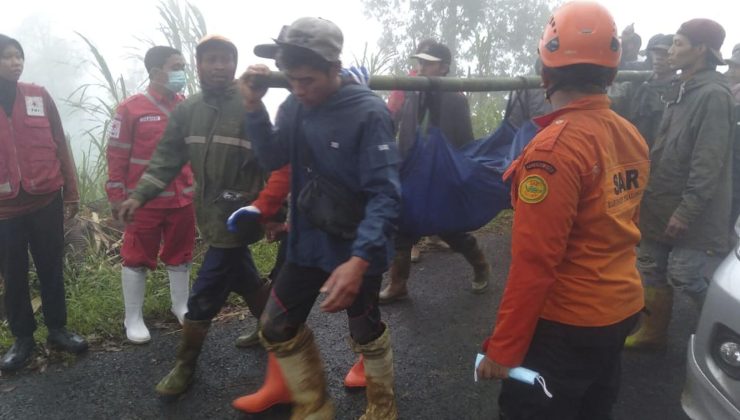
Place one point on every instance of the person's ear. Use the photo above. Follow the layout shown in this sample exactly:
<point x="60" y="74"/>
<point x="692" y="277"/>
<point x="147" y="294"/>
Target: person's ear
<point x="335" y="69"/>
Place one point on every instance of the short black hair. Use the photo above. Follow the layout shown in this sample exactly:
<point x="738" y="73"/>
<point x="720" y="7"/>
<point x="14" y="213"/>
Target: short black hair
<point x="585" y="78"/>
<point x="6" y="41"/>
<point x="291" y="57"/>
<point x="157" y="56"/>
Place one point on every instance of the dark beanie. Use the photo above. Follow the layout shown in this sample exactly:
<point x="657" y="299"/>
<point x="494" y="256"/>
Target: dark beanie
<point x="707" y="32"/>
<point x="212" y="40"/>
<point x="6" y="41"/>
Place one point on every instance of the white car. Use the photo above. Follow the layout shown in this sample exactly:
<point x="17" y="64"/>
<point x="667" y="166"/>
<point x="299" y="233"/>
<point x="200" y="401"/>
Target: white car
<point x="712" y="389"/>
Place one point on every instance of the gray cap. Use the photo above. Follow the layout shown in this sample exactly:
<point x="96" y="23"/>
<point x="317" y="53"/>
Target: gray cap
<point x="735" y="59"/>
<point x="316" y="34"/>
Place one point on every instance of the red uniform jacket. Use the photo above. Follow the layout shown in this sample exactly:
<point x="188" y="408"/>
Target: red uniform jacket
<point x="133" y="136"/>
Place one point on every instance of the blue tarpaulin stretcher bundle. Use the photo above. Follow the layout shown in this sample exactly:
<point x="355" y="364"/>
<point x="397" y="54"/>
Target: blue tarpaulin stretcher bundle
<point x="448" y="190"/>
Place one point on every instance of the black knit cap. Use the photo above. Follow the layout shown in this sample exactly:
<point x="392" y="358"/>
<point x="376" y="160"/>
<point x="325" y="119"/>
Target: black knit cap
<point x="6" y="41"/>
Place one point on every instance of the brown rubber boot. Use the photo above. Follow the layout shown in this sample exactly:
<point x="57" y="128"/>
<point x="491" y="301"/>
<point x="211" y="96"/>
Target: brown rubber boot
<point x="481" y="269"/>
<point x="653" y="332"/>
<point x="303" y="372"/>
<point x="249" y="339"/>
<point x="256" y="302"/>
<point x="181" y="376"/>
<point x="399" y="276"/>
<point x="378" y="358"/>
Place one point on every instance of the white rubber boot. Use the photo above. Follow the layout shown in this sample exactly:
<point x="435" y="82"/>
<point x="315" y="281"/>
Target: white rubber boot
<point x="133" y="283"/>
<point x="179" y="289"/>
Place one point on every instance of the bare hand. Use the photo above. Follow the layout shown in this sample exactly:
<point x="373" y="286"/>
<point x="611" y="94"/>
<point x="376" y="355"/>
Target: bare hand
<point x="70" y="210"/>
<point x="488" y="369"/>
<point x="115" y="207"/>
<point x="343" y="285"/>
<point x="676" y="228"/>
<point x="127" y="210"/>
<point x="273" y="230"/>
<point x="252" y="85"/>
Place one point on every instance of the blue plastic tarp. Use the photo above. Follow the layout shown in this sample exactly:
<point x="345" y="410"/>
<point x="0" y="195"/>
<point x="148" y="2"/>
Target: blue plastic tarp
<point x="448" y="190"/>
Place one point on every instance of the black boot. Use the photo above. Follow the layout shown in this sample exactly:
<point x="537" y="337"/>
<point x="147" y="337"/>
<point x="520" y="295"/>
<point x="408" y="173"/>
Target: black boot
<point x="61" y="339"/>
<point x="18" y="355"/>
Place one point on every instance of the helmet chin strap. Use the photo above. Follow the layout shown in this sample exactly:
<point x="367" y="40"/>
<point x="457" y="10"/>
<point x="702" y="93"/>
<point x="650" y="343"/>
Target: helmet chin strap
<point x="552" y="89"/>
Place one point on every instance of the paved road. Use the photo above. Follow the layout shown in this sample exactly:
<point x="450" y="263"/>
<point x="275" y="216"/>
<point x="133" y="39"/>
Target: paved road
<point x="436" y="335"/>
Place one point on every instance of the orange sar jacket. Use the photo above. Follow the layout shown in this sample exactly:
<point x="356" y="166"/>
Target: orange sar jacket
<point x="576" y="191"/>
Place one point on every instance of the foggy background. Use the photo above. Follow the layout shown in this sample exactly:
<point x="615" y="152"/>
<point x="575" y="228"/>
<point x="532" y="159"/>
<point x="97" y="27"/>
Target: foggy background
<point x="489" y="37"/>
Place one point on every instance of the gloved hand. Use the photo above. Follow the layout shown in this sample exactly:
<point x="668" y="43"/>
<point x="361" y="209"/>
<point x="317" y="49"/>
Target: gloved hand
<point x="244" y="213"/>
<point x="359" y="74"/>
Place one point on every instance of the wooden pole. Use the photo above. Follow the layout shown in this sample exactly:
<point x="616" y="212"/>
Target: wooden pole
<point x="458" y="84"/>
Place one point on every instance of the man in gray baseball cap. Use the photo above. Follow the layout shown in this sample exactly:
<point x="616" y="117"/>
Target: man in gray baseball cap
<point x="316" y="34"/>
<point x="337" y="136"/>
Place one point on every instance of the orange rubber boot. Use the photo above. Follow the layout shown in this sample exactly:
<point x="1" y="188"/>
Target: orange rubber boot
<point x="356" y="376"/>
<point x="274" y="391"/>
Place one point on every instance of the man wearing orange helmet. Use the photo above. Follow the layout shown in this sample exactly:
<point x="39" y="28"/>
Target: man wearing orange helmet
<point x="573" y="292"/>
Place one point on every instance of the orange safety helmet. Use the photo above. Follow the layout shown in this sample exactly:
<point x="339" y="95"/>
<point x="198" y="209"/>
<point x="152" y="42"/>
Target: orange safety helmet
<point x="580" y="32"/>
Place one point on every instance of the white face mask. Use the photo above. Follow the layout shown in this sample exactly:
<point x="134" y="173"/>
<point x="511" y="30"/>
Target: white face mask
<point x="176" y="81"/>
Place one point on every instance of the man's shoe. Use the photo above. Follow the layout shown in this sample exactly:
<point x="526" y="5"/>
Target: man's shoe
<point x="61" y="339"/>
<point x="415" y="254"/>
<point x="249" y="339"/>
<point x="18" y="355"/>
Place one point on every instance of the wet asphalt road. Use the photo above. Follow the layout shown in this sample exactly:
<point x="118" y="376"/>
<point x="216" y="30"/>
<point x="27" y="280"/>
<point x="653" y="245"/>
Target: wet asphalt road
<point x="435" y="337"/>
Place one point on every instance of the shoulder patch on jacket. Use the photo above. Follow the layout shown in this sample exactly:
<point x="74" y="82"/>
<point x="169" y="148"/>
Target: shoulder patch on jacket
<point x="533" y="189"/>
<point x="541" y="164"/>
<point x="550" y="134"/>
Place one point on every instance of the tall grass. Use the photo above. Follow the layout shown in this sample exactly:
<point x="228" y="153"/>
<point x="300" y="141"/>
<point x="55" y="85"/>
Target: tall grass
<point x="97" y="101"/>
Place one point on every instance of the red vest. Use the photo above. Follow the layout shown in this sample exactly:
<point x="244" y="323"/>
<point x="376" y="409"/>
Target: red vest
<point x="28" y="153"/>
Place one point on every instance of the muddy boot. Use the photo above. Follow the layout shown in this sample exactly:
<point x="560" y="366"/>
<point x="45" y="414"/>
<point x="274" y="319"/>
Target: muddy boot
<point x="249" y="339"/>
<point x="481" y="269"/>
<point x="274" y="391"/>
<point x="415" y="254"/>
<point x="181" y="376"/>
<point x="378" y="358"/>
<point x="399" y="276"/>
<point x="303" y="371"/>
<point x="256" y="302"/>
<point x="653" y="332"/>
<point x="356" y="376"/>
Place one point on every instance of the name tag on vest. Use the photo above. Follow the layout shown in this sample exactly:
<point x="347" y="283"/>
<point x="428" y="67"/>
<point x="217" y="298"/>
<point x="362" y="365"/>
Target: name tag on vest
<point x="34" y="106"/>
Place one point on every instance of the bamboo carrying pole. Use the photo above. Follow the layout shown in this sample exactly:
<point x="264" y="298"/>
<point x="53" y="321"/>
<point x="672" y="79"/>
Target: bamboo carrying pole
<point x="456" y="84"/>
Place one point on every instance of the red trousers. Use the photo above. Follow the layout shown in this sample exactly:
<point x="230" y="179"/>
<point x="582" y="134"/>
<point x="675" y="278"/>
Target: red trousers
<point x="170" y="230"/>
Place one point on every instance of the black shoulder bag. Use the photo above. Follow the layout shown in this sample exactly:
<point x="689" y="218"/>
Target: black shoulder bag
<point x="328" y="205"/>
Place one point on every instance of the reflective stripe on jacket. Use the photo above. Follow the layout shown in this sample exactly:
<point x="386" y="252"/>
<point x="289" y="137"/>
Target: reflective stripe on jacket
<point x="207" y="131"/>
